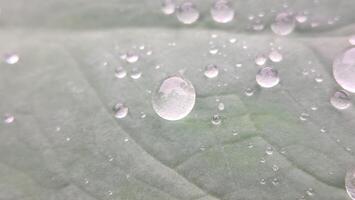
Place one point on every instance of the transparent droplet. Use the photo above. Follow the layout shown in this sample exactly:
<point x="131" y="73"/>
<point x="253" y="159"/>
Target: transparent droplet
<point x="249" y="92"/>
<point x="8" y="119"/>
<point x="136" y="74"/>
<point x="260" y="60"/>
<point x="275" y="181"/>
<point x="310" y="192"/>
<point x="174" y="99"/>
<point x="340" y="100"/>
<point x="267" y="77"/>
<point x="211" y="71"/>
<point x="275" y="56"/>
<point x="216" y="119"/>
<point x="344" y="70"/>
<point x="221" y="106"/>
<point x="275" y="168"/>
<point x="187" y="13"/>
<point x="121" y="110"/>
<point x="120" y="72"/>
<point x="232" y="40"/>
<point x="269" y="151"/>
<point x="131" y="57"/>
<point x="11" y="58"/>
<point x="213" y="51"/>
<point x="284" y="24"/>
<point x="301" y="18"/>
<point x="352" y="40"/>
<point x="304" y="116"/>
<point x="262" y="181"/>
<point x="109" y="193"/>
<point x="318" y="79"/>
<point x="222" y="11"/>
<point x="168" y="7"/>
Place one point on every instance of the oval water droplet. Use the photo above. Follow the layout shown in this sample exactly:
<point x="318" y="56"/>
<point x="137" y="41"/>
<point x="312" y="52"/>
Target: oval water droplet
<point x="168" y="7"/>
<point x="211" y="71"/>
<point x="269" y="151"/>
<point x="174" y="99"/>
<point x="216" y="119"/>
<point x="8" y="118"/>
<point x="222" y="11"/>
<point x="120" y="110"/>
<point x="340" y="100"/>
<point x="352" y="40"/>
<point x="135" y="74"/>
<point x="187" y="13"/>
<point x="131" y="57"/>
<point x="120" y="72"/>
<point x="267" y="77"/>
<point x="260" y="60"/>
<point x="249" y="92"/>
<point x="304" y="116"/>
<point x="344" y="70"/>
<point x="221" y="106"/>
<point x="284" y="24"/>
<point x="301" y="18"/>
<point x="11" y="58"/>
<point x="275" y="56"/>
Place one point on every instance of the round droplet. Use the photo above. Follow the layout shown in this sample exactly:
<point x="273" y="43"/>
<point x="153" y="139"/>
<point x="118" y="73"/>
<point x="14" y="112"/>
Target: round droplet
<point x="284" y="24"/>
<point x="120" y="72"/>
<point x="222" y="11"/>
<point x="187" y="13"/>
<point x="8" y="118"/>
<point x="216" y="119"/>
<point x="174" y="99"/>
<point x="249" y="92"/>
<point x="136" y="74"/>
<point x="352" y="40"/>
<point x="304" y="116"/>
<point x="121" y="110"/>
<point x="340" y="100"/>
<point x="211" y="71"/>
<point x="168" y="7"/>
<point x="131" y="57"/>
<point x="11" y="58"/>
<point x="262" y="181"/>
<point x="267" y="77"/>
<point x="350" y="183"/>
<point x="260" y="60"/>
<point x="301" y="18"/>
<point x="269" y="151"/>
<point x="344" y="70"/>
<point x="221" y="106"/>
<point x="275" y="56"/>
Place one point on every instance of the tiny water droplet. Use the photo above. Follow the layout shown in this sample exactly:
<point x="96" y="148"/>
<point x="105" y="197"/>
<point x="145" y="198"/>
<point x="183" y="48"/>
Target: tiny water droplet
<point x="126" y="140"/>
<point x="301" y="18"/>
<point x="269" y="151"/>
<point x="143" y="115"/>
<point x="213" y="51"/>
<point x="250" y="145"/>
<point x="86" y="181"/>
<point x="211" y="71"/>
<point x="267" y="77"/>
<point x="304" y="116"/>
<point x="68" y="139"/>
<point x="216" y="119"/>
<point x="344" y="70"/>
<point x="249" y="92"/>
<point x="131" y="57"/>
<point x="109" y="193"/>
<point x="187" y="13"/>
<point x="275" y="56"/>
<point x="340" y="100"/>
<point x="221" y="106"/>
<point x="8" y="119"/>
<point x="232" y="40"/>
<point x="222" y="11"/>
<point x="174" y="99"/>
<point x="318" y="79"/>
<point x="275" y="181"/>
<point x="11" y="58"/>
<point x="310" y="192"/>
<point x="262" y="181"/>
<point x="262" y="160"/>
<point x="121" y="110"/>
<point x="135" y="74"/>
<point x="260" y="60"/>
<point x="168" y="7"/>
<point x="284" y="24"/>
<point x="275" y="168"/>
<point x="120" y="72"/>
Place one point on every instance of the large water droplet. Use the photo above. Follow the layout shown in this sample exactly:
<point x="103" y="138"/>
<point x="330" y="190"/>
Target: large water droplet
<point x="222" y="11"/>
<point x="267" y="77"/>
<point x="168" y="7"/>
<point x="344" y="70"/>
<point x="121" y="110"/>
<point x="340" y="100"/>
<point x="350" y="183"/>
<point x="187" y="13"/>
<point x="174" y="99"/>
<point x="284" y="24"/>
<point x="211" y="71"/>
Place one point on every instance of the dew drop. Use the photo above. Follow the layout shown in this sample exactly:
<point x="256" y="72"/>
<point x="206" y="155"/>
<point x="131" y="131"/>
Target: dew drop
<point x="310" y="192"/>
<point x="11" y="58"/>
<point x="340" y="100"/>
<point x="275" y="181"/>
<point x="216" y="119"/>
<point x="352" y="40"/>
<point x="301" y="18"/>
<point x="284" y="24"/>
<point x="168" y="7"/>
<point x="187" y="13"/>
<point x="249" y="92"/>
<point x="275" y="56"/>
<point x="304" y="116"/>
<point x="120" y="72"/>
<point x="213" y="51"/>
<point x="174" y="99"/>
<point x="222" y="11"/>
<point x="344" y="70"/>
<point x="275" y="168"/>
<point x="211" y="71"/>
<point x="8" y="119"/>
<point x="221" y="106"/>
<point x="121" y="110"/>
<point x="131" y="57"/>
<point x="262" y="181"/>
<point x="269" y="151"/>
<point x="136" y="74"/>
<point x="267" y="77"/>
<point x="260" y="60"/>
<point x="232" y="40"/>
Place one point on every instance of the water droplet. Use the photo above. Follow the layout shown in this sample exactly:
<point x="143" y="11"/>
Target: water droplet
<point x="86" y="181"/>
<point x="249" y="92"/>
<point x="269" y="151"/>
<point x="136" y="74"/>
<point x="262" y="160"/>
<point x="109" y="193"/>
<point x="275" y="168"/>
<point x="121" y="110"/>
<point x="131" y="57"/>
<point x="310" y="192"/>
<point x="8" y="119"/>
<point x="187" y="13"/>
<point x="304" y="116"/>
<point x="232" y="40"/>
<point x="168" y="7"/>
<point x="250" y="145"/>
<point x="216" y="119"/>
<point x="11" y="58"/>
<point x="267" y="77"/>
<point x="235" y="133"/>
<point x="275" y="56"/>
<point x="318" y="79"/>
<point x="221" y="106"/>
<point x="120" y="72"/>
<point x="222" y="11"/>
<point x="213" y="51"/>
<point x="340" y="100"/>
<point x="211" y="71"/>
<point x="260" y="60"/>
<point x="143" y="115"/>
<point x="126" y="140"/>
<point x="352" y="40"/>
<point x="301" y="18"/>
<point x="275" y="181"/>
<point x="174" y="99"/>
<point x="68" y="139"/>
<point x="284" y="24"/>
<point x="262" y="181"/>
<point x="344" y="70"/>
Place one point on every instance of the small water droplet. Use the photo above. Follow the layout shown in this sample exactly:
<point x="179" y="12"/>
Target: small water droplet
<point x="310" y="192"/>
<point x="213" y="51"/>
<point x="86" y="181"/>
<point x="304" y="116"/>
<point x="275" y="56"/>
<point x="284" y="24"/>
<point x="11" y="58"/>
<point x="168" y="7"/>
<point x="232" y="40"/>
<point x="121" y="110"/>
<point x="131" y="57"/>
<point x="8" y="119"/>
<point x="135" y="74"/>
<point x="187" y="13"/>
<point x="126" y="140"/>
<point x="267" y="77"/>
<point x="109" y="193"/>
<point x="143" y="115"/>
<point x="250" y="145"/>
<point x="216" y="119"/>
<point x="260" y="60"/>
<point x="249" y="92"/>
<point x="262" y="181"/>
<point x="235" y="133"/>
<point x="269" y="151"/>
<point x="275" y="181"/>
<point x="174" y="99"/>
<point x="344" y="70"/>
<point x="120" y="72"/>
<point x="211" y="71"/>
<point x="275" y="168"/>
<point x="68" y="139"/>
<point x="301" y="18"/>
<point x="318" y="79"/>
<point x="221" y="106"/>
<point x="222" y="11"/>
<point x="262" y="160"/>
<point x="340" y="100"/>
